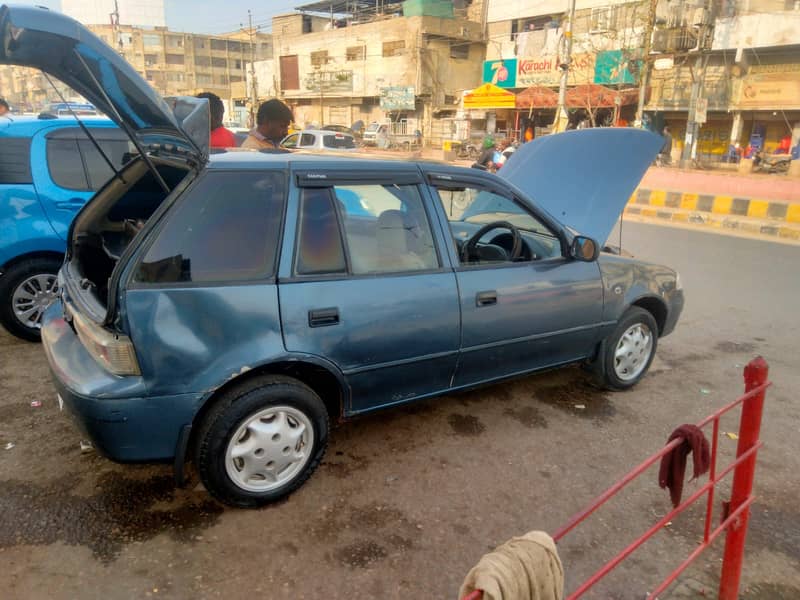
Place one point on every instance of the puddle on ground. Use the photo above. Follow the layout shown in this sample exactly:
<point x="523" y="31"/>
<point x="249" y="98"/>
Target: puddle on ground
<point x="344" y="465"/>
<point x="529" y="416"/>
<point x="735" y="347"/>
<point x="575" y="394"/>
<point x="119" y="513"/>
<point x="361" y="554"/>
<point x="494" y="393"/>
<point x="466" y="425"/>
<point x="687" y="360"/>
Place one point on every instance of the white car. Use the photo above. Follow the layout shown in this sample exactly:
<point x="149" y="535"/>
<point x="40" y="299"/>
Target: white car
<point x="319" y="140"/>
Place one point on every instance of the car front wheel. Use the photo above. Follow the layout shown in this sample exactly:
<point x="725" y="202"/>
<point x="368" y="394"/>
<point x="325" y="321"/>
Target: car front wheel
<point x="26" y="290"/>
<point x="261" y="441"/>
<point x="630" y="349"/>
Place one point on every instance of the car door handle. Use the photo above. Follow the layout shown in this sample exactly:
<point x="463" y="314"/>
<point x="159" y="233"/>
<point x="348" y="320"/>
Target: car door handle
<point x="323" y="317"/>
<point x="73" y="204"/>
<point x="486" y="298"/>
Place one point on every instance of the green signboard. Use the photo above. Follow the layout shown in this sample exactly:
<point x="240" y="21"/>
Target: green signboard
<point x="614" y="66"/>
<point x="501" y="72"/>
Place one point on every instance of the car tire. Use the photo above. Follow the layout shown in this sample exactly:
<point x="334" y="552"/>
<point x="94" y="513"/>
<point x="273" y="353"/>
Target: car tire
<point x="24" y="281"/>
<point x="261" y="441"/>
<point x="630" y="349"/>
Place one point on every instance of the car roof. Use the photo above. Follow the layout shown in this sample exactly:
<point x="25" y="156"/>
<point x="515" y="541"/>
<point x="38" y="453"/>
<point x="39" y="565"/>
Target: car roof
<point x="29" y="125"/>
<point x="323" y="132"/>
<point x="235" y="158"/>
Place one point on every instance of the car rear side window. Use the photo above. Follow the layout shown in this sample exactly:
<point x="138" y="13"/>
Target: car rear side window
<point x="75" y="164"/>
<point x="226" y="229"/>
<point x="65" y="164"/>
<point x="15" y="160"/>
<point x="338" y="141"/>
<point x="320" y="249"/>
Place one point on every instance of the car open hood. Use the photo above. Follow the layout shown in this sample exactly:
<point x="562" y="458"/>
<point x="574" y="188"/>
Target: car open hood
<point x="60" y="46"/>
<point x="583" y="178"/>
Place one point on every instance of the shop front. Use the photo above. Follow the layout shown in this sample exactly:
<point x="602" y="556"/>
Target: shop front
<point x="490" y="110"/>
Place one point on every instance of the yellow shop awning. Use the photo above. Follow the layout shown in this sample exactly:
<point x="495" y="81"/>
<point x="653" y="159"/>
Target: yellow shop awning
<point x="489" y="96"/>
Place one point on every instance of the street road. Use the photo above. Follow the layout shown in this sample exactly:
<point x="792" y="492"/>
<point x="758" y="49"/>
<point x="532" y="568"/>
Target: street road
<point x="408" y="500"/>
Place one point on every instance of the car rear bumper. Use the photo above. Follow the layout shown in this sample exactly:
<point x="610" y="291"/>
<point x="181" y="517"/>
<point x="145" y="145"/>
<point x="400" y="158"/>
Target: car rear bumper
<point x="114" y="412"/>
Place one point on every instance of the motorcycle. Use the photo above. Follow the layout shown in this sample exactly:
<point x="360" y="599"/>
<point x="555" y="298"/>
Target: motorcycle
<point x="767" y="163"/>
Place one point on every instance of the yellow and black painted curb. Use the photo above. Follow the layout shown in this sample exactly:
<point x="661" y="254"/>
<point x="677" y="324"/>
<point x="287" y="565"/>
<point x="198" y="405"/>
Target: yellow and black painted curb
<point x="753" y="215"/>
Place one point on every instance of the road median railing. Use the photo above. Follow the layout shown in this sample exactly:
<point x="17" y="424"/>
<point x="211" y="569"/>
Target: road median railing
<point x="735" y="513"/>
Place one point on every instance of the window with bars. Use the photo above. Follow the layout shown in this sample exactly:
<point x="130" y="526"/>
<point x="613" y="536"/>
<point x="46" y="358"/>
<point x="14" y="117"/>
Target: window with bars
<point x="319" y="58"/>
<point x="603" y="19"/>
<point x="394" y="48"/>
<point x="356" y="53"/>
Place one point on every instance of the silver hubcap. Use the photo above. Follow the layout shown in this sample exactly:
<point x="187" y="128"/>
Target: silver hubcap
<point x="32" y="297"/>
<point x="269" y="448"/>
<point x="633" y="351"/>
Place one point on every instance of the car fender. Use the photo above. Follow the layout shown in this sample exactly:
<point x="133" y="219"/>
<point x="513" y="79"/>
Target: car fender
<point x="628" y="281"/>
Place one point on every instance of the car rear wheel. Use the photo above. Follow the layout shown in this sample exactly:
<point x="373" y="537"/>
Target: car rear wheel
<point x="261" y="441"/>
<point x="630" y="349"/>
<point x="26" y="290"/>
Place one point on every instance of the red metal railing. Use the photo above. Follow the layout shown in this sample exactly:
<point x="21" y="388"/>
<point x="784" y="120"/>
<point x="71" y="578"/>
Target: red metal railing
<point x="755" y="375"/>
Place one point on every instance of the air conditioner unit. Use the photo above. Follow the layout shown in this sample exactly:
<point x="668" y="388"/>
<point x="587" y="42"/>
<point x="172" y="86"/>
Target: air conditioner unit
<point x="659" y="41"/>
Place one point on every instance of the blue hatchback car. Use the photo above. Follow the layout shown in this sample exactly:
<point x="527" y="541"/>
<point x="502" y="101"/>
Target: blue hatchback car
<point x="226" y="308"/>
<point x="48" y="170"/>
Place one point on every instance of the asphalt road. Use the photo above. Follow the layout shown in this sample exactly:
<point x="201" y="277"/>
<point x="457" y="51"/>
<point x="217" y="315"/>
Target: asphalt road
<point x="408" y="500"/>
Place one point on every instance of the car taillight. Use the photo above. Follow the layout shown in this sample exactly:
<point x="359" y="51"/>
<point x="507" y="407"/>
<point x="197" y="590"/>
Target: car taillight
<point x="113" y="351"/>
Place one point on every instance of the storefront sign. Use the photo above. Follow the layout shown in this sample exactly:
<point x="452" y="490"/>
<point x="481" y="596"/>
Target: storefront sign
<point x="487" y="97"/>
<point x="398" y="98"/>
<point x="502" y="73"/>
<point x="329" y="81"/>
<point x="544" y="70"/>
<point x="613" y="66"/>
<point x="770" y="91"/>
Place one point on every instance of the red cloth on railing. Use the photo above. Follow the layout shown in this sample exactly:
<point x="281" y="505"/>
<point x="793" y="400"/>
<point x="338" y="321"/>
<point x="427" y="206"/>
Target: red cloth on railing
<point x="673" y="463"/>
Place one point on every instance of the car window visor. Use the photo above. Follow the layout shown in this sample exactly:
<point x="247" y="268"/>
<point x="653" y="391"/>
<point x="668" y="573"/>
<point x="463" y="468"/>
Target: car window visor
<point x="124" y="125"/>
<point x="85" y="130"/>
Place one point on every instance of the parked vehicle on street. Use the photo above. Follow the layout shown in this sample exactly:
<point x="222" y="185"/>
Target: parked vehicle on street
<point x="48" y="169"/>
<point x="771" y="163"/>
<point x="226" y="308"/>
<point x="319" y="140"/>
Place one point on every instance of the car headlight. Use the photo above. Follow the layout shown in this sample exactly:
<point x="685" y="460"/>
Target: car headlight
<point x="678" y="284"/>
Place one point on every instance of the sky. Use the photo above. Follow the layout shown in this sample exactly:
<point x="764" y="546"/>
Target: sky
<point x="209" y="16"/>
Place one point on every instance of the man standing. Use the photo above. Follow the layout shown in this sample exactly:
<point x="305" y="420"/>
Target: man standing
<point x="4" y="108"/>
<point x="220" y="136"/>
<point x="666" y="150"/>
<point x="272" y="125"/>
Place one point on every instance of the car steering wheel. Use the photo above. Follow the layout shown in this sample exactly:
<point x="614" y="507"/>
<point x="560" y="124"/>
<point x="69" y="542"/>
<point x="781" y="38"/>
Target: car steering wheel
<point x="468" y="249"/>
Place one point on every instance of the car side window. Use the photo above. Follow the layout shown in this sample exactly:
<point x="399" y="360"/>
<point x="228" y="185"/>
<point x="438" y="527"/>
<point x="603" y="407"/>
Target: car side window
<point x="291" y="141"/>
<point x="386" y="229"/>
<point x="226" y="229"/>
<point x="306" y="139"/>
<point x="319" y="248"/>
<point x="75" y="164"/>
<point x="470" y="209"/>
<point x="65" y="165"/>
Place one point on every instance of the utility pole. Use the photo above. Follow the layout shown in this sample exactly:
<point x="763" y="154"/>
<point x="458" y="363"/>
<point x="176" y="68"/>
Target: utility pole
<point x="644" y="70"/>
<point x="560" y="123"/>
<point x="115" y="29"/>
<point x="705" y="38"/>
<point x="253" y="83"/>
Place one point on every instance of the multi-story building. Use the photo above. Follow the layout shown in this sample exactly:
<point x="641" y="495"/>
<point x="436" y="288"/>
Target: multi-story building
<point x="140" y="13"/>
<point x="749" y="72"/>
<point x="525" y="55"/>
<point x="173" y="63"/>
<point x="403" y="62"/>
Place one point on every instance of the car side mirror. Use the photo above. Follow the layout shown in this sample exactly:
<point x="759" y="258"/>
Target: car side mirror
<point x="584" y="249"/>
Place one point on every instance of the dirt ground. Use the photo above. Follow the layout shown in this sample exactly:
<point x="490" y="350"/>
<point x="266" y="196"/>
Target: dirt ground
<point x="406" y="501"/>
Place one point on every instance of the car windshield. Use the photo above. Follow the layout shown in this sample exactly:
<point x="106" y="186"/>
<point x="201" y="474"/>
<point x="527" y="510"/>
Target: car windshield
<point x="485" y="207"/>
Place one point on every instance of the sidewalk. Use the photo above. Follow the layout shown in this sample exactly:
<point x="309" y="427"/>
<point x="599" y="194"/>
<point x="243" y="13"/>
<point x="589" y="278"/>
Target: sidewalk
<point x="779" y="188"/>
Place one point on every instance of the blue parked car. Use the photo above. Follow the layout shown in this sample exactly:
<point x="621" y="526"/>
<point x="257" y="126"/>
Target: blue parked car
<point x="48" y="170"/>
<point x="226" y="308"/>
